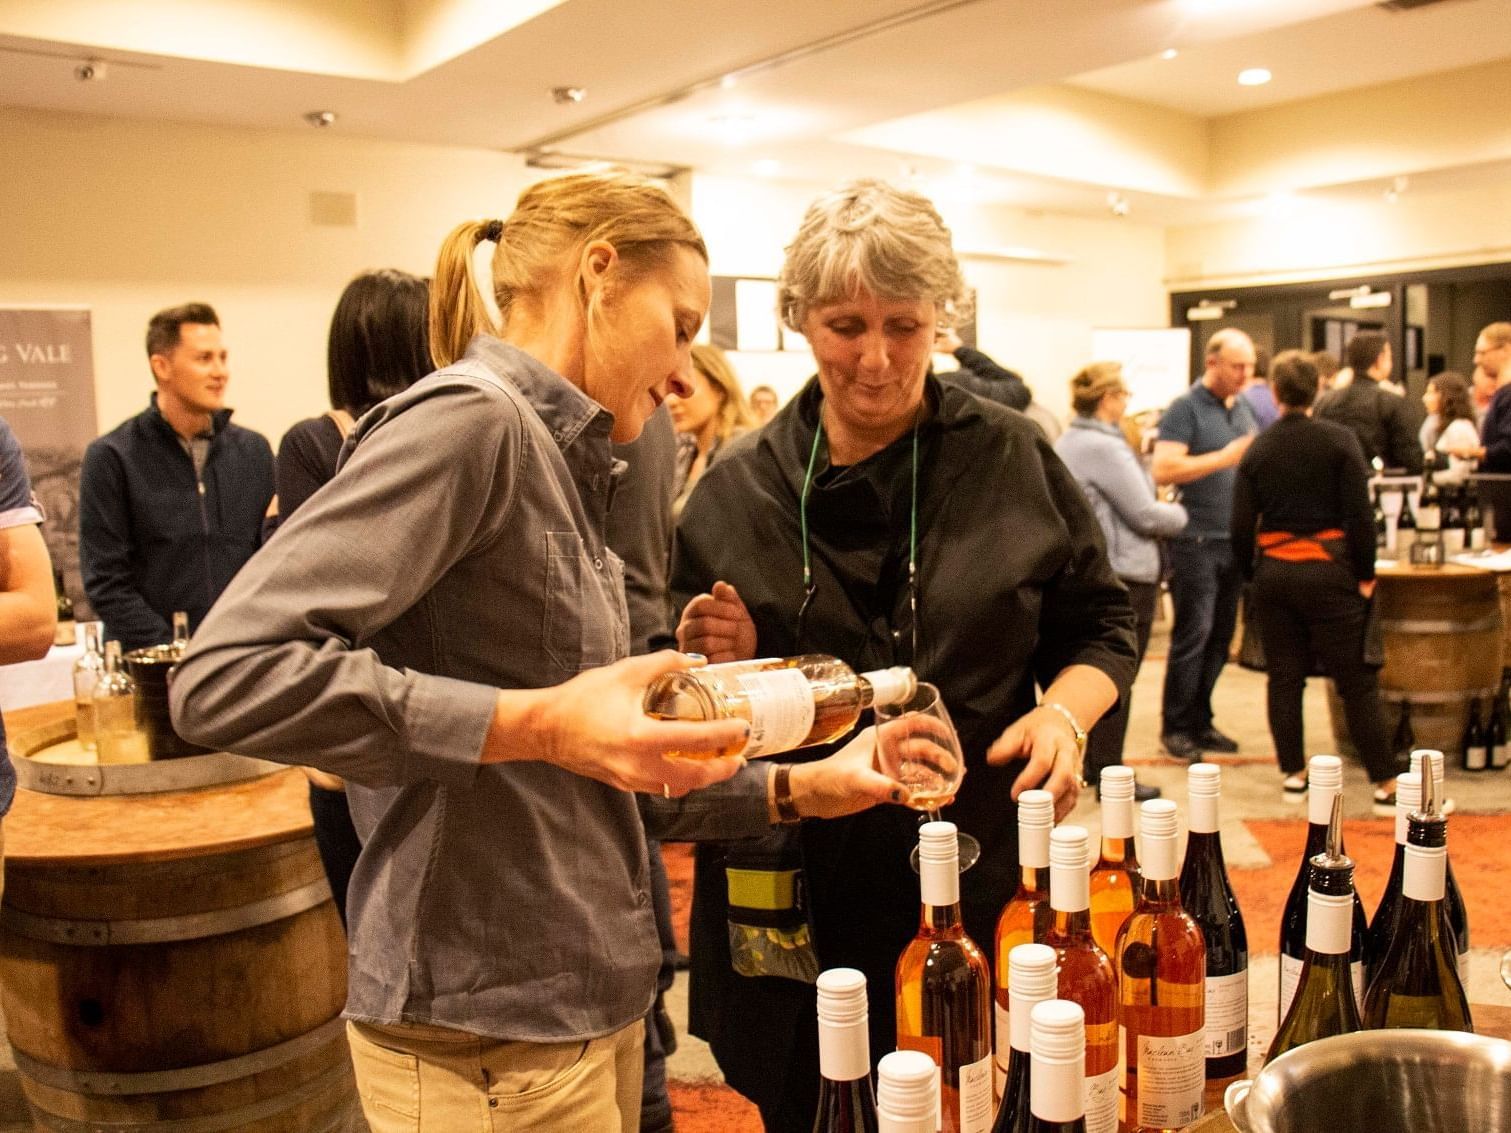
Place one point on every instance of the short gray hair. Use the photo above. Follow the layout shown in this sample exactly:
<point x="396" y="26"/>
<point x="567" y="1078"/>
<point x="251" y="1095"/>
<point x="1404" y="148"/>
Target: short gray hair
<point x="869" y="234"/>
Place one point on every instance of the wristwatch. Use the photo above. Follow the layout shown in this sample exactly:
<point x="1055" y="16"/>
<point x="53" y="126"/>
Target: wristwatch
<point x="1075" y="725"/>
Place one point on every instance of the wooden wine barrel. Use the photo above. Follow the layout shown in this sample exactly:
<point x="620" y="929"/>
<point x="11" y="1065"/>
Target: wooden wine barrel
<point x="173" y="962"/>
<point x="1444" y="647"/>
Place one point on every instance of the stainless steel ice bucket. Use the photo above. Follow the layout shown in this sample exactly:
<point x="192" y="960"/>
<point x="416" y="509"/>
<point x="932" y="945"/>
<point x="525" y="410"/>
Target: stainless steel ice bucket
<point x="1381" y="1082"/>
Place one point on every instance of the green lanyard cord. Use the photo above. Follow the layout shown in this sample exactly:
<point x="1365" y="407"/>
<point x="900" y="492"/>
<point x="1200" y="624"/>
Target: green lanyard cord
<point x="808" y="586"/>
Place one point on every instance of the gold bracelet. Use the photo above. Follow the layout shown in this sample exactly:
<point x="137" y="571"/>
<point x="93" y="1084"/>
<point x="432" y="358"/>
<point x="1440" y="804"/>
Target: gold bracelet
<point x="786" y="809"/>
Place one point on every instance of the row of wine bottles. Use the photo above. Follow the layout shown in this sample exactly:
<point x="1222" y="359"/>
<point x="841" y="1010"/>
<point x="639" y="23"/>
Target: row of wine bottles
<point x="907" y="1098"/>
<point x="1448" y="514"/>
<point x="1408" y="965"/>
<point x="1484" y="744"/>
<point x="1166" y="1008"/>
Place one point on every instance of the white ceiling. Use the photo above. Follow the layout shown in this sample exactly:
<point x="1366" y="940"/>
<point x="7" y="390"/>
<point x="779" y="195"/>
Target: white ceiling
<point x="820" y="90"/>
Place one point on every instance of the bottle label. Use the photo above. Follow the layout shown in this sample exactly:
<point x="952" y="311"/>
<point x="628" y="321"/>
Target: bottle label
<point x="1227" y="1017"/>
<point x="1003" y="1048"/>
<point x="1499" y="754"/>
<point x="1329" y="924"/>
<point x="1102" y="1102"/>
<point x="1425" y="873"/>
<point x="1475" y="758"/>
<point x="781" y="710"/>
<point x="976" y="1096"/>
<point x="1172" y="1071"/>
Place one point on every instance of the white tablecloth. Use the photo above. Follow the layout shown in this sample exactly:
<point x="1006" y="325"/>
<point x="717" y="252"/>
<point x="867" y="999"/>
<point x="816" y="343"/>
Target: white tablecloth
<point x="40" y="682"/>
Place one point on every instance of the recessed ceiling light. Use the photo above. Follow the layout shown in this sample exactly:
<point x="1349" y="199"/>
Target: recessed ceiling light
<point x="767" y="167"/>
<point x="1254" y="76"/>
<point x="321" y="118"/>
<point x="566" y="96"/>
<point x="729" y="81"/>
<point x="1168" y="53"/>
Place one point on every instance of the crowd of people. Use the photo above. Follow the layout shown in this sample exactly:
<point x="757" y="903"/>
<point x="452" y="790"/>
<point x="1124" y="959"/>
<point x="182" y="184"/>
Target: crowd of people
<point x="446" y="596"/>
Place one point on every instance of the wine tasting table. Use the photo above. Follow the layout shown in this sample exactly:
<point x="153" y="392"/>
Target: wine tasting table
<point x="170" y="959"/>
<point x="1489" y="1019"/>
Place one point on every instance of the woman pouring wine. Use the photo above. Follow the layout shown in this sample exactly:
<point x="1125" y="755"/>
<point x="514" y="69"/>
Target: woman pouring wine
<point x="888" y="519"/>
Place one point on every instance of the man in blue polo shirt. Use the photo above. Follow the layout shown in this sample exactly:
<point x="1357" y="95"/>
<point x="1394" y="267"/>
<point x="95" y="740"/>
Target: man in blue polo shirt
<point x="1202" y="437"/>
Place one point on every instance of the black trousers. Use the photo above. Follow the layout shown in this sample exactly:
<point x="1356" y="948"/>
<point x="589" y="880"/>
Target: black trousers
<point x="1313" y="612"/>
<point x="1104" y="746"/>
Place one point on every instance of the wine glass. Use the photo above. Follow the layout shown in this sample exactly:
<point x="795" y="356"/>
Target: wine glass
<point x="916" y="744"/>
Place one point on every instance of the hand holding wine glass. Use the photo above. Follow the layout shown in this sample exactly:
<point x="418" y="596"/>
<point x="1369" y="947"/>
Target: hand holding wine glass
<point x="916" y="744"/>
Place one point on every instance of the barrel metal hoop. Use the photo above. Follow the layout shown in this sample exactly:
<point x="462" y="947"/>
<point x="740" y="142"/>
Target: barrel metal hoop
<point x="1457" y="696"/>
<point x="110" y="1083"/>
<point x="90" y="779"/>
<point x="161" y="930"/>
<point x="238" y="1118"/>
<point x="1424" y="627"/>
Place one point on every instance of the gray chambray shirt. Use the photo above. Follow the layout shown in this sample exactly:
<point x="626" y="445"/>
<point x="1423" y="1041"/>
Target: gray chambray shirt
<point x="459" y="549"/>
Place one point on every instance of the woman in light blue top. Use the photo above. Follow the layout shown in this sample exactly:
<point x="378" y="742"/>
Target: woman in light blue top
<point x="1122" y="498"/>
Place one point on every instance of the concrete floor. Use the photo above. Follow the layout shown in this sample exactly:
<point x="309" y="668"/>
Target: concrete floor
<point x="1250" y="790"/>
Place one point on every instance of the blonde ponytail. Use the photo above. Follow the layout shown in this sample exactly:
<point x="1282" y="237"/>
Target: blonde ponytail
<point x="457" y="308"/>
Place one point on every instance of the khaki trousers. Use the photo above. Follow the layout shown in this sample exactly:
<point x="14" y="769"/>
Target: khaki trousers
<point x="414" y="1078"/>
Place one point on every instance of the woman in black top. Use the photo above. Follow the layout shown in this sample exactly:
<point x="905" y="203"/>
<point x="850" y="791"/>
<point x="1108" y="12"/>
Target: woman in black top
<point x="1304" y="531"/>
<point x="377" y="348"/>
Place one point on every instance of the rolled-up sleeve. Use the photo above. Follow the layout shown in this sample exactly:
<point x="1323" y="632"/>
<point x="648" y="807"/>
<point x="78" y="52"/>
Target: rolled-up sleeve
<point x="282" y="667"/>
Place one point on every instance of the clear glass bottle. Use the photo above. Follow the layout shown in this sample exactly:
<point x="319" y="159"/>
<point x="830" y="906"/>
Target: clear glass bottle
<point x="1324" y="1003"/>
<point x="944" y="989"/>
<point x="1058" y="1100"/>
<point x="87" y="671"/>
<point x="1087" y="977"/>
<point x="1115" y="877"/>
<point x="1453" y="897"/>
<point x="1418" y="982"/>
<point x="1475" y="743"/>
<point x="1027" y="915"/>
<point x="1162" y="967"/>
<point x="789" y="702"/>
<point x="1207" y="894"/>
<point x="845" y="1101"/>
<point x="1324" y="778"/>
<point x="117" y="717"/>
<point x="1034" y="981"/>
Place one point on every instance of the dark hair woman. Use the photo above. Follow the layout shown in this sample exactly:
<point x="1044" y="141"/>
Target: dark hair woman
<point x="1450" y="429"/>
<point x="376" y="348"/>
<point x="1304" y="531"/>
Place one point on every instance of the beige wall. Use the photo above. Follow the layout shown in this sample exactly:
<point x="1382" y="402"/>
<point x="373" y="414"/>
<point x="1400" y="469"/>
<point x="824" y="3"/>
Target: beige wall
<point x="128" y="217"/>
<point x="1320" y="237"/>
<point x="1035" y="318"/>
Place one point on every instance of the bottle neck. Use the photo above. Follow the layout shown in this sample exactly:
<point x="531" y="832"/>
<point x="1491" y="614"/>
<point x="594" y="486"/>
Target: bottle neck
<point x="1329" y="924"/>
<point x="1118" y="851"/>
<point x="1117" y="820"/>
<point x="1424" y="873"/>
<point x="1204" y="846"/>
<point x="940" y="920"/>
<point x="1069" y="891"/>
<point x="1162" y="891"/>
<point x="1158" y="863"/>
<point x="844" y="1050"/>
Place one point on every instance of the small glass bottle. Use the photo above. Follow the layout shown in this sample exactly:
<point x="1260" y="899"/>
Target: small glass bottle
<point x="789" y="702"/>
<point x="180" y="642"/>
<point x="117" y="722"/>
<point x="87" y="671"/>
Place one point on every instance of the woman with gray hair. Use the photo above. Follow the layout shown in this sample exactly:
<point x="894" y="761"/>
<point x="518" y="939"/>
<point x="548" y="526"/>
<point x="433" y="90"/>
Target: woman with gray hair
<point x="889" y="519"/>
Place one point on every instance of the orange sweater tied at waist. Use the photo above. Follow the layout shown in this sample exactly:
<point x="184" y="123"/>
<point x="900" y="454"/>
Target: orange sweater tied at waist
<point x="1286" y="547"/>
